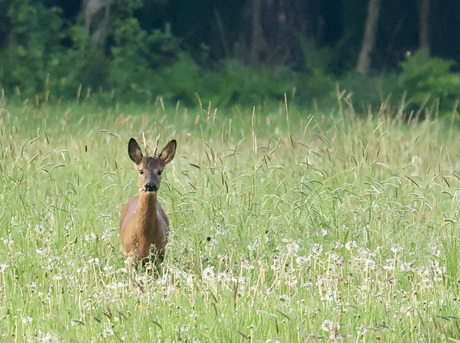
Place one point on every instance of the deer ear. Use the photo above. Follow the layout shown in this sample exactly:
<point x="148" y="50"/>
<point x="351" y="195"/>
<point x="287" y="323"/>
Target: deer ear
<point x="134" y="151"/>
<point x="168" y="152"/>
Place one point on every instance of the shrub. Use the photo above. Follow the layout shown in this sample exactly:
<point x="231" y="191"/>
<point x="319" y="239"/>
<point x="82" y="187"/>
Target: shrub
<point x="430" y="79"/>
<point x="370" y="90"/>
<point x="234" y="82"/>
<point x="31" y="45"/>
<point x="137" y="56"/>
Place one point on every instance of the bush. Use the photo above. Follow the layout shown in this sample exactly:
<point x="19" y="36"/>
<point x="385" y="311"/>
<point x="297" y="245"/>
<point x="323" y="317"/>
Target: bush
<point x="370" y="90"/>
<point x="136" y="57"/>
<point x="32" y="42"/>
<point x="430" y="79"/>
<point x="234" y="82"/>
<point x="80" y="64"/>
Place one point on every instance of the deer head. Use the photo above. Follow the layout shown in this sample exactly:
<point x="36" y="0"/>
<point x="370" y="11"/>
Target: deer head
<point x="149" y="168"/>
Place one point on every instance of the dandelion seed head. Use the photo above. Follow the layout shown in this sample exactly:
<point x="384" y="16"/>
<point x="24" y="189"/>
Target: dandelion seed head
<point x="286" y="240"/>
<point x="49" y="338"/>
<point x="57" y="277"/>
<point x="389" y="265"/>
<point x="322" y="233"/>
<point x="107" y="332"/>
<point x="316" y="249"/>
<point x="396" y="249"/>
<point x="209" y="273"/>
<point x="327" y="325"/>
<point x="107" y="234"/>
<point x="338" y="246"/>
<point x="8" y="241"/>
<point x="361" y="330"/>
<point x="27" y="320"/>
<point x="302" y="260"/>
<point x="93" y="260"/>
<point x="351" y="245"/>
<point x="292" y="248"/>
<point x="247" y="265"/>
<point x="91" y="237"/>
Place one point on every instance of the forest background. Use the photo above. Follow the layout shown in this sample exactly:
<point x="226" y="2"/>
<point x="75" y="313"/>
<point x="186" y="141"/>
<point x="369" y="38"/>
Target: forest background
<point x="232" y="52"/>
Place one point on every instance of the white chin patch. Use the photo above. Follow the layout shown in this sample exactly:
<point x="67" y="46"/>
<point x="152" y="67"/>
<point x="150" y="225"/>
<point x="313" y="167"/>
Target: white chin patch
<point x="143" y="190"/>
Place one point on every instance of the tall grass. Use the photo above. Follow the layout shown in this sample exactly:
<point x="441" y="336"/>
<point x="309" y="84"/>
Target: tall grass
<point x="286" y="226"/>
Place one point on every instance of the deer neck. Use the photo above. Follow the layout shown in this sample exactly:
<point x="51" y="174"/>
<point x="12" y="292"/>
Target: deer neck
<point x="146" y="213"/>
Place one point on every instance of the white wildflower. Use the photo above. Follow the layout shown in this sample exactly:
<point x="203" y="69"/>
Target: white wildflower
<point x="91" y="237"/>
<point x="302" y="260"/>
<point x="286" y="240"/>
<point x="396" y="248"/>
<point x="27" y="320"/>
<point x="107" y="332"/>
<point x="293" y="282"/>
<point x="316" y="249"/>
<point x="293" y="248"/>
<point x="209" y="273"/>
<point x="328" y="296"/>
<point x="107" y="234"/>
<point x="362" y="330"/>
<point x="327" y="325"/>
<point x="389" y="266"/>
<point x="246" y="265"/>
<point x="332" y="328"/>
<point x="406" y="267"/>
<point x="9" y="242"/>
<point x="49" y="338"/>
<point x="93" y="260"/>
<point x="435" y="251"/>
<point x="14" y="221"/>
<point x="57" y="277"/>
<point x="322" y="233"/>
<point x="351" y="245"/>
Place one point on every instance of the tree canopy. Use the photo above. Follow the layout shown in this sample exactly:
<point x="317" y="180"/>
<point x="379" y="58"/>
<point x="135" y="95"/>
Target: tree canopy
<point x="225" y="51"/>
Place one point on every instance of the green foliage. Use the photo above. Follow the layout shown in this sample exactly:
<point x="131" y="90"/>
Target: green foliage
<point x="141" y="65"/>
<point x="234" y="82"/>
<point x="137" y="56"/>
<point x="125" y="8"/>
<point x="36" y="63"/>
<point x="32" y="43"/>
<point x="180" y="81"/>
<point x="317" y="60"/>
<point x="81" y="64"/>
<point x="370" y="90"/>
<point x="427" y="79"/>
<point x="44" y="53"/>
<point x="317" y="82"/>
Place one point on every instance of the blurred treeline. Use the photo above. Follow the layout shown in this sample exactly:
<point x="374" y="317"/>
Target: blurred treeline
<point x="242" y="51"/>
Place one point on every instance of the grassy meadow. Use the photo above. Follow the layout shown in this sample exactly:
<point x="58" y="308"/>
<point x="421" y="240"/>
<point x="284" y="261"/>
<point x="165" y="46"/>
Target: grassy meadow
<point x="286" y="226"/>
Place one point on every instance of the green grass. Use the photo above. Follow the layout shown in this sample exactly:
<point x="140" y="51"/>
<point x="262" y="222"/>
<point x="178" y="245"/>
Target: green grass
<point x="285" y="227"/>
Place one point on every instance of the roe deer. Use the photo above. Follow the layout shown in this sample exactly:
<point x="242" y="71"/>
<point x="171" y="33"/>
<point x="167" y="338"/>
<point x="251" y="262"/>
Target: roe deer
<point x="144" y="227"/>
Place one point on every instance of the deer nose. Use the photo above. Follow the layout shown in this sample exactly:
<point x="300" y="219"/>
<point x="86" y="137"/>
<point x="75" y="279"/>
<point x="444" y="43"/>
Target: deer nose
<point x="150" y="187"/>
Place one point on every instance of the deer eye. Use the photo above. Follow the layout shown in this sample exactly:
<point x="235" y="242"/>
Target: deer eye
<point x="159" y="172"/>
<point x="141" y="171"/>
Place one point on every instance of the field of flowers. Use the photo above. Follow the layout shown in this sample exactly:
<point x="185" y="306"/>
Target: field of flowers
<point x="286" y="226"/>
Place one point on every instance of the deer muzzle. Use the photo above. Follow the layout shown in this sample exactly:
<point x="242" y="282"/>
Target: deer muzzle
<point x="150" y="187"/>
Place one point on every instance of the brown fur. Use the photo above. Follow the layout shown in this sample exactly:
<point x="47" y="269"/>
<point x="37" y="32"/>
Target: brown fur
<point x="144" y="226"/>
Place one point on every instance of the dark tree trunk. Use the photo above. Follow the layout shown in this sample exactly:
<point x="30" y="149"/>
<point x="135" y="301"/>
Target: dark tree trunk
<point x="272" y="30"/>
<point x="97" y="13"/>
<point x="258" y="43"/>
<point x="364" y="59"/>
<point x="424" y="22"/>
